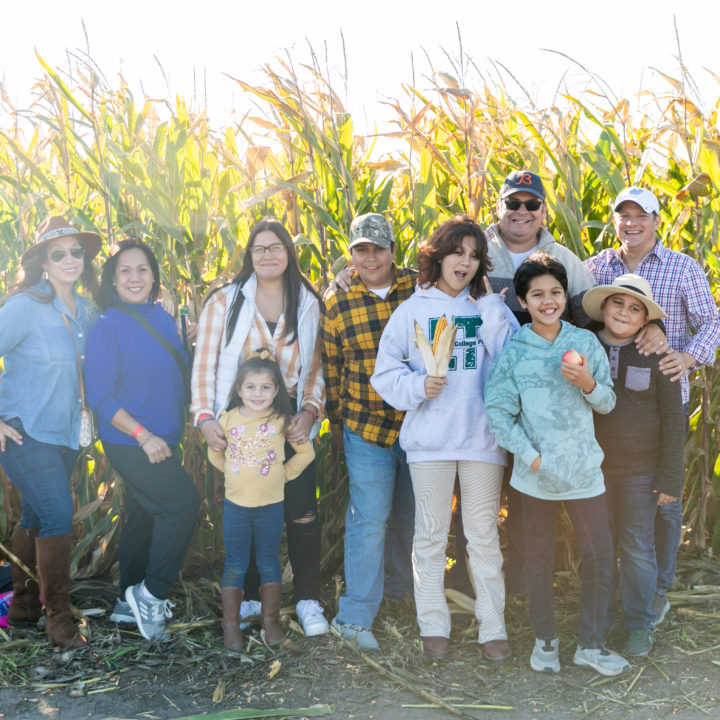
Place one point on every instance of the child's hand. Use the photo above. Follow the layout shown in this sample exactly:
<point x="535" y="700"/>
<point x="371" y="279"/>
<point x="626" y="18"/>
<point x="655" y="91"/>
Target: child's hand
<point x="434" y="386"/>
<point x="535" y="464"/>
<point x="579" y="375"/>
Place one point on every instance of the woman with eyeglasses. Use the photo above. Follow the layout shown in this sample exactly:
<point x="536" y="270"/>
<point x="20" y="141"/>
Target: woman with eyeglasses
<point x="268" y="304"/>
<point x="43" y="328"/>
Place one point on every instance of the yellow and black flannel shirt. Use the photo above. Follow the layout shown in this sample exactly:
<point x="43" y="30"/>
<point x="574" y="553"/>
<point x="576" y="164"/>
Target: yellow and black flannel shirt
<point x="350" y="330"/>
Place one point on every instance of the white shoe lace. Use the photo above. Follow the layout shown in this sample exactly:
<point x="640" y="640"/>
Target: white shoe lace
<point x="309" y="609"/>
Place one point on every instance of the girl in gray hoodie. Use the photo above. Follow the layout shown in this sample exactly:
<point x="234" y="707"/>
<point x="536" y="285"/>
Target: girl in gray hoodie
<point x="445" y="431"/>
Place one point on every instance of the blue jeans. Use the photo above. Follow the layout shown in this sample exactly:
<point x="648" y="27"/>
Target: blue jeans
<point x="632" y="506"/>
<point x="375" y="472"/>
<point x="589" y="518"/>
<point x="41" y="472"/>
<point x="245" y="526"/>
<point x="668" y="534"/>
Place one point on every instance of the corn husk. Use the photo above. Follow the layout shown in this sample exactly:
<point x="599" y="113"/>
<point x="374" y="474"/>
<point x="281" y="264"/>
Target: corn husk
<point x="436" y="357"/>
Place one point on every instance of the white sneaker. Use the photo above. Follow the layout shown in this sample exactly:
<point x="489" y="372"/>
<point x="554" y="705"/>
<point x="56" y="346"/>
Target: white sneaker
<point x="310" y="616"/>
<point x="249" y="609"/>
<point x="545" y="656"/>
<point x="601" y="660"/>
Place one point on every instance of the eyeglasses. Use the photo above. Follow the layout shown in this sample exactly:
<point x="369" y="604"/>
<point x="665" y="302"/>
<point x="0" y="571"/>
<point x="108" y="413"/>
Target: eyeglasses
<point x="275" y="250"/>
<point x="58" y="254"/>
<point x="530" y="205"/>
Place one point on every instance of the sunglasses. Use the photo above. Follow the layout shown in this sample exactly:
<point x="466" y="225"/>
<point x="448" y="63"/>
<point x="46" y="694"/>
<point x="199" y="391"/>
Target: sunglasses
<point x="58" y="254"/>
<point x="530" y="205"/>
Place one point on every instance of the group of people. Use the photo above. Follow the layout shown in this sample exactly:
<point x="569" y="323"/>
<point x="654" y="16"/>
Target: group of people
<point x="599" y="429"/>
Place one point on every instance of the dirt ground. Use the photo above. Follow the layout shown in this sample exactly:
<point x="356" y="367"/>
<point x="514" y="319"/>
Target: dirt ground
<point x="122" y="676"/>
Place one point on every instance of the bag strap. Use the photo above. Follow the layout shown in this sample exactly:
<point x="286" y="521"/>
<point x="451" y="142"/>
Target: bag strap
<point x="77" y="353"/>
<point x="162" y="340"/>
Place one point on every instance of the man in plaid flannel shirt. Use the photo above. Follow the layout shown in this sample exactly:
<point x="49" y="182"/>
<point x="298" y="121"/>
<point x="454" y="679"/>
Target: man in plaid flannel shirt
<point x="680" y="287"/>
<point x="368" y="428"/>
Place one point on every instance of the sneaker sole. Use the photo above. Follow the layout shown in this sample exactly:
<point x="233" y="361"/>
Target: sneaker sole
<point x="548" y="669"/>
<point x="601" y="671"/>
<point x="314" y="632"/>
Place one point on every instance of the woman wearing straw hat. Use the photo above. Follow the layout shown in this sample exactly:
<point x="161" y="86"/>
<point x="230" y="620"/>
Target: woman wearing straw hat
<point x="43" y="327"/>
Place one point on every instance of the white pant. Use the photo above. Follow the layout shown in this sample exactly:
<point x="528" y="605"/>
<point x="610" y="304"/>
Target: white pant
<point x="480" y="485"/>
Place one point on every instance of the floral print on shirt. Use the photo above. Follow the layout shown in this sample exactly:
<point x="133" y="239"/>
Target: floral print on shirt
<point x="251" y="451"/>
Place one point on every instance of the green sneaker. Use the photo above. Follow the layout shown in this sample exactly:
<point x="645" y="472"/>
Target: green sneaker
<point x="639" y="642"/>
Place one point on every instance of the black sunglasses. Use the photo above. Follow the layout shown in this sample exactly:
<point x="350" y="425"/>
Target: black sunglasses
<point x="530" y="205"/>
<point x="58" y="254"/>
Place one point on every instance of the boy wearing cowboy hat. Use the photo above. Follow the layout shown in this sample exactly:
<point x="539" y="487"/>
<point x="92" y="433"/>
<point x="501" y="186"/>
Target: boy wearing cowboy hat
<point x="642" y="438"/>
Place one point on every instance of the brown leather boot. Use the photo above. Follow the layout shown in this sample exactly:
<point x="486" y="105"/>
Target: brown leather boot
<point x="232" y="634"/>
<point x="53" y="561"/>
<point x="270" y="599"/>
<point x="25" y="608"/>
<point x="435" y="646"/>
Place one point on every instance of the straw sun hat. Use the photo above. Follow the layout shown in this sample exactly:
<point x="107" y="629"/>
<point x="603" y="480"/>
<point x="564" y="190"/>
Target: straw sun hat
<point x="628" y="284"/>
<point x="56" y="227"/>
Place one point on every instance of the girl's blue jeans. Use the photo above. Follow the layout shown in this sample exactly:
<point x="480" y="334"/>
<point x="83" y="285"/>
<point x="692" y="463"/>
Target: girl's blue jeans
<point x="245" y="526"/>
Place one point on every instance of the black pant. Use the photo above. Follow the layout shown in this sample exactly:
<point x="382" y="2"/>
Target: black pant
<point x="303" y="538"/>
<point x="161" y="505"/>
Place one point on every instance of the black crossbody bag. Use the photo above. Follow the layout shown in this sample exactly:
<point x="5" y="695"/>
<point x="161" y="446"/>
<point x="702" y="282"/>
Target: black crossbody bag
<point x="184" y="368"/>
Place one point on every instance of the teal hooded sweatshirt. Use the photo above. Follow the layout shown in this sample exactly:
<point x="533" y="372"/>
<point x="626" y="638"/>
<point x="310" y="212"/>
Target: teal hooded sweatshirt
<point x="533" y="410"/>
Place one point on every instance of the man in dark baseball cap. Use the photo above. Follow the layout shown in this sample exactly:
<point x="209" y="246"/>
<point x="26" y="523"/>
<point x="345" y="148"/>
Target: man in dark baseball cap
<point x="523" y="181"/>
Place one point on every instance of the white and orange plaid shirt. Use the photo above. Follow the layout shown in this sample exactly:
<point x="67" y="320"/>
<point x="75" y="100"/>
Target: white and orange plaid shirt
<point x="210" y="339"/>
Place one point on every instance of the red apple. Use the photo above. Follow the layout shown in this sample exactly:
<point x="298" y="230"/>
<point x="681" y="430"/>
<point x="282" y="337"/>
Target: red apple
<point x="573" y="357"/>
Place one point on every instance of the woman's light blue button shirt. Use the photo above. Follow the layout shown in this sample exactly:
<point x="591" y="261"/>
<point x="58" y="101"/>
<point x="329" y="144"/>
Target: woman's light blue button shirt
<point x="40" y="383"/>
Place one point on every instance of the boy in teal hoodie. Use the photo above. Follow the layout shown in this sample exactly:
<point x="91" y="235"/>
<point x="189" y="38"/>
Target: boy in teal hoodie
<point x="540" y="399"/>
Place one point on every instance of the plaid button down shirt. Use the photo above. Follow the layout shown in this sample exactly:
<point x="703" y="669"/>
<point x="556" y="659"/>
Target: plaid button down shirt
<point x="350" y="330"/>
<point x="681" y="289"/>
<point x="211" y="336"/>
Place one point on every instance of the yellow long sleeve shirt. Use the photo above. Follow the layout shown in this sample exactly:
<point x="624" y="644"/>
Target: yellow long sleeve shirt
<point x="254" y="460"/>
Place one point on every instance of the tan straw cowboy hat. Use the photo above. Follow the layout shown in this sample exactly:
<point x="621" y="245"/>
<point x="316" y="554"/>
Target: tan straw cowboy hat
<point x="56" y="227"/>
<point x="628" y="284"/>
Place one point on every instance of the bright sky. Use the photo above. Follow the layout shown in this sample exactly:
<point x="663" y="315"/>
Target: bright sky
<point x="196" y="42"/>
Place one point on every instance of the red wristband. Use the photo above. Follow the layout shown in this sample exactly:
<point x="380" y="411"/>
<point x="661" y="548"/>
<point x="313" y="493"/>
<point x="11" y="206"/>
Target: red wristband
<point x="136" y="432"/>
<point x="204" y="416"/>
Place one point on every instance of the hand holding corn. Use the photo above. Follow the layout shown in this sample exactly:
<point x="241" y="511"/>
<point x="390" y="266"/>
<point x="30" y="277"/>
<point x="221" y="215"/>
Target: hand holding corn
<point x="436" y="358"/>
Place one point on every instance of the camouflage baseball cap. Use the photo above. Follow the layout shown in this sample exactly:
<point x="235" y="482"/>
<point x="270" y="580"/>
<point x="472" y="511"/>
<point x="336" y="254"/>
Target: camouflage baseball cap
<point x="373" y="228"/>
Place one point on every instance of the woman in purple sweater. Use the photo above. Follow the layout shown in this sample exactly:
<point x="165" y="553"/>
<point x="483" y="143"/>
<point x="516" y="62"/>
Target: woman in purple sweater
<point x="135" y="377"/>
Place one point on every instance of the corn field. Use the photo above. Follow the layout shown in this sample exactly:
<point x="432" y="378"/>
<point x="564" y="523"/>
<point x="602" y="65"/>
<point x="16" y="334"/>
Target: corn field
<point x="122" y="165"/>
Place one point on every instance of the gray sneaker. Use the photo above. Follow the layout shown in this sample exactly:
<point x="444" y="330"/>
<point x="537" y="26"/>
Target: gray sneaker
<point x="150" y="613"/>
<point x="362" y="636"/>
<point x="639" y="642"/>
<point x="545" y="656"/>
<point x="660" y="607"/>
<point x="601" y="660"/>
<point x="122" y="613"/>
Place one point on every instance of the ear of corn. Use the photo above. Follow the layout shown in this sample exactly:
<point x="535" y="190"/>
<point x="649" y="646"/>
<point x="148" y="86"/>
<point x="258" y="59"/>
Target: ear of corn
<point x="445" y="348"/>
<point x="426" y="351"/>
<point x="436" y="358"/>
<point x="439" y="327"/>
